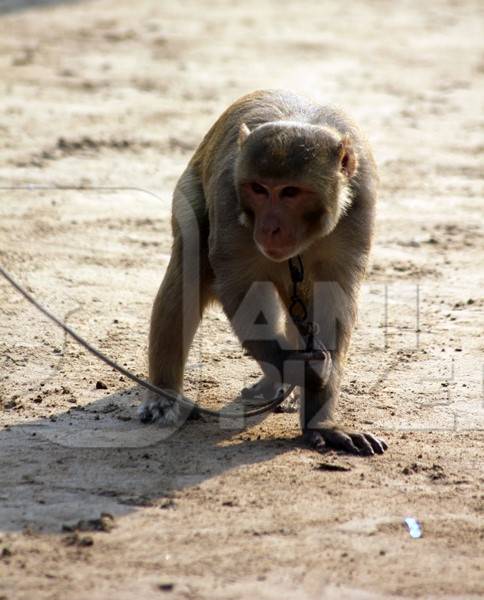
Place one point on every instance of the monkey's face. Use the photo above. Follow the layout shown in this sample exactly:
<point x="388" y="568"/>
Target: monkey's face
<point x="292" y="185"/>
<point x="282" y="216"/>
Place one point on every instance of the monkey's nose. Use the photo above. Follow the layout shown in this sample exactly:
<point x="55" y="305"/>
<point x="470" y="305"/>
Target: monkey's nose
<point x="275" y="232"/>
<point x="271" y="231"/>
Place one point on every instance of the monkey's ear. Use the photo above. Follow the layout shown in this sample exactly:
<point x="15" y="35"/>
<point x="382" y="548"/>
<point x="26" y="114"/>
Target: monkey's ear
<point x="244" y="133"/>
<point x="347" y="157"/>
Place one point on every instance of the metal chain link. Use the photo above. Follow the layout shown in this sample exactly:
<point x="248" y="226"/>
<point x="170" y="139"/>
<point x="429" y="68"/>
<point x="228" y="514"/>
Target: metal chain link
<point x="298" y="309"/>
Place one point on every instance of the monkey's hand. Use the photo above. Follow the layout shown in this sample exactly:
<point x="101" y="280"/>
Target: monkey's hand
<point x="161" y="409"/>
<point x="331" y="436"/>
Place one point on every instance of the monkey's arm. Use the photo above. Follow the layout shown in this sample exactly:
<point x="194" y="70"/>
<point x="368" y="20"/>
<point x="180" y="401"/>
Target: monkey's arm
<point x="181" y="299"/>
<point x="319" y="401"/>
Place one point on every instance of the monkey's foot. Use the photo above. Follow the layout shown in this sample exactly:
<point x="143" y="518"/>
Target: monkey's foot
<point x="158" y="408"/>
<point x="291" y="403"/>
<point x="364" y="444"/>
<point x="264" y="390"/>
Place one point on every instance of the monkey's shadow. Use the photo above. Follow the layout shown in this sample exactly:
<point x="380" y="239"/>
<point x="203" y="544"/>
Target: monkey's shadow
<point x="100" y="458"/>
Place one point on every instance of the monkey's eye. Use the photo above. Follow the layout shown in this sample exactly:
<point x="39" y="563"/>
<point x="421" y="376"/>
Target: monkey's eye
<point x="258" y="189"/>
<point x="290" y="191"/>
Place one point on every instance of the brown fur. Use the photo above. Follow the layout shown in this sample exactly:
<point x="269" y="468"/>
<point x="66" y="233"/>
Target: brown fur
<point x="214" y="256"/>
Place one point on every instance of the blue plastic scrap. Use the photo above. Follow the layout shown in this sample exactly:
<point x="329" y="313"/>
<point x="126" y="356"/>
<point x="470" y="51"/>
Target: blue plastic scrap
<point x="414" y="527"/>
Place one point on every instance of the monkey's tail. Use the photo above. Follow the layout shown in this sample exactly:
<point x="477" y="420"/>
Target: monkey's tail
<point x="179" y="398"/>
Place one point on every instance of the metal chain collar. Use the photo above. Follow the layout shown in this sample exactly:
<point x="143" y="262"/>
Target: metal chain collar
<point x="298" y="309"/>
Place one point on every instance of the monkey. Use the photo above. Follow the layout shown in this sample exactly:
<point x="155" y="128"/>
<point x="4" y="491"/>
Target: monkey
<point x="277" y="176"/>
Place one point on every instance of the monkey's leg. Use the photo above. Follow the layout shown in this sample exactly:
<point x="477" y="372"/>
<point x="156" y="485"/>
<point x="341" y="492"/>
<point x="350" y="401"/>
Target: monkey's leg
<point x="253" y="307"/>
<point x="266" y="389"/>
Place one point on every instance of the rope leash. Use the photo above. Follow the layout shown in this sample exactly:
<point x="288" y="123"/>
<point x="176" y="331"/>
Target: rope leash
<point x="297" y="310"/>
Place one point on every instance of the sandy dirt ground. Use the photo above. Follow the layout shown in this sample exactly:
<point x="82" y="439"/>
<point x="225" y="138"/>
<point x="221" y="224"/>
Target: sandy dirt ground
<point x="112" y="97"/>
